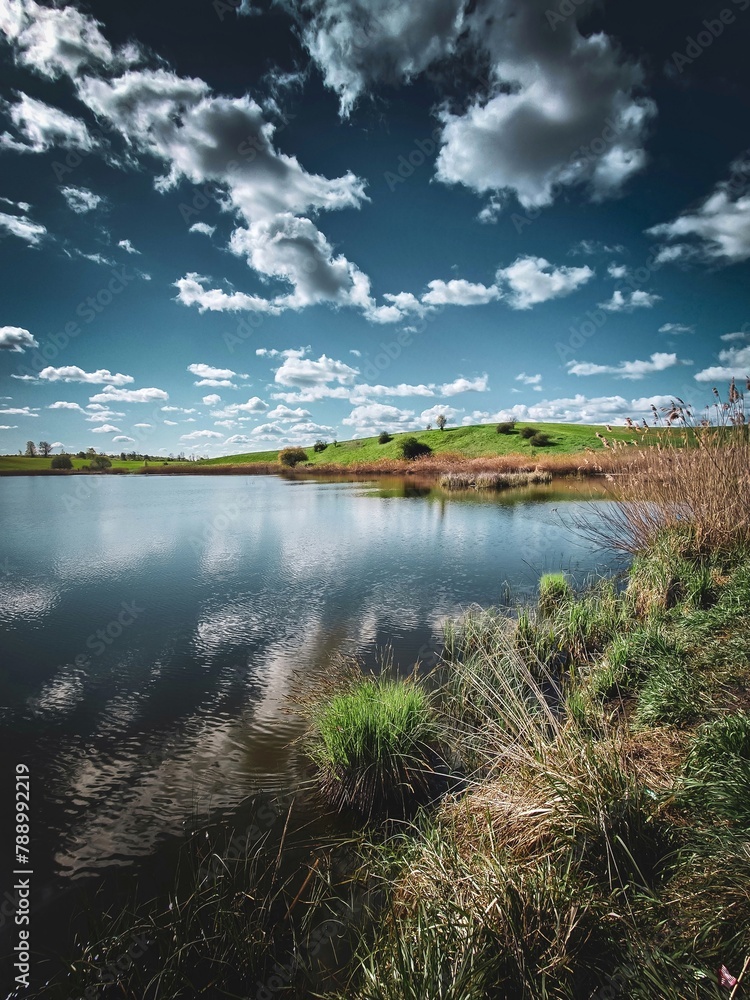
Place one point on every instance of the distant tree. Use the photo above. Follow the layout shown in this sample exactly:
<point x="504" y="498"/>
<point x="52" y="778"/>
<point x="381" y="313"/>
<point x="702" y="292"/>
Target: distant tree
<point x="441" y="420"/>
<point x="90" y="452"/>
<point x="528" y="432"/>
<point x="541" y="440"/>
<point x="100" y="462"/>
<point x="292" y="456"/>
<point x="384" y="437"/>
<point x="429" y="427"/>
<point x="320" y="445"/>
<point x="45" y="448"/>
<point x="506" y="427"/>
<point x="80" y="454"/>
<point x="30" y="449"/>
<point x="412" y="448"/>
<point x="61" y="462"/>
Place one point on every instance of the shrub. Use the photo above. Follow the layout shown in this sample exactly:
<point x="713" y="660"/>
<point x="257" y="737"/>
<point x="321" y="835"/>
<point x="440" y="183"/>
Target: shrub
<point x="61" y="462"/>
<point x="384" y="437"/>
<point x="375" y="748"/>
<point x="440" y="421"/>
<point x="717" y="769"/>
<point x="292" y="456"/>
<point x="541" y="440"/>
<point x="412" y="448"/>
<point x="506" y="427"/>
<point x="320" y="446"/>
<point x="528" y="432"/>
<point x="100" y="462"/>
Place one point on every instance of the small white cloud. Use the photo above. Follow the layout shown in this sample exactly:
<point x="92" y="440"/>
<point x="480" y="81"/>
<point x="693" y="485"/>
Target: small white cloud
<point x="112" y="395"/>
<point x="81" y="200"/>
<point x="676" y="328"/>
<point x="628" y="301"/>
<point x="105" y="429"/>
<point x="529" y="379"/>
<point x="127" y="246"/>
<point x="658" y="362"/>
<point x="531" y="280"/>
<point x="16" y="339"/>
<point x="72" y="373"/>
<point x="61" y="404"/>
<point x="202" y="227"/>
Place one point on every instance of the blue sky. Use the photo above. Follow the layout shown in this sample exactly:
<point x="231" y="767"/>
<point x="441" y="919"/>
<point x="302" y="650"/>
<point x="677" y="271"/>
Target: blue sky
<point x="230" y="225"/>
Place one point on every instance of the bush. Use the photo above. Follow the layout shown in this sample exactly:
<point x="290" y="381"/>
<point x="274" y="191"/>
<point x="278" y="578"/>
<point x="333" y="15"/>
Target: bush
<point x="717" y="769"/>
<point x="320" y="446"/>
<point x="506" y="427"/>
<point x="541" y="440"/>
<point x="100" y="462"/>
<point x="375" y="748"/>
<point x="384" y="438"/>
<point x="554" y="590"/>
<point x="528" y="432"/>
<point x="412" y="448"/>
<point x="292" y="456"/>
<point x="61" y="462"/>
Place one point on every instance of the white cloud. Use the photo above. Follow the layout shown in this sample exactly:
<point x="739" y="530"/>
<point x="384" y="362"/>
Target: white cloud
<point x="61" y="404"/>
<point x="208" y="371"/>
<point x="628" y="301"/>
<point x="170" y="423"/>
<point x="580" y="409"/>
<point x="282" y="412"/>
<point x="591" y="248"/>
<point x="459" y="292"/>
<point x="533" y="279"/>
<point x="431" y="415"/>
<point x="719" y="226"/>
<point x="738" y="335"/>
<point x="254" y="405"/>
<point x="562" y="110"/>
<point x="72" y="373"/>
<point x="20" y="411"/>
<point x="80" y="200"/>
<point x="112" y="395"/>
<point x="123" y="439"/>
<point x="373" y="417"/>
<point x="200" y="435"/>
<point x="479" y="384"/>
<point x="202" y="227"/>
<point x="42" y="127"/>
<point x="658" y="362"/>
<point x="22" y="227"/>
<point x="8" y="427"/>
<point x="534" y="380"/>
<point x="735" y="363"/>
<point x="142" y="425"/>
<point x="16" y="339"/>
<point x="617" y="271"/>
<point x="178" y="409"/>
<point x="127" y="246"/>
<point x="676" y="328"/>
<point x="212" y="399"/>
<point x="304" y="372"/>
<point x="359" y="43"/>
<point x="103" y="415"/>
<point x="105" y="429"/>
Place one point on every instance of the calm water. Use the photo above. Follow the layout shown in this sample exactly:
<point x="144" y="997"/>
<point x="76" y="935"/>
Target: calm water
<point x="155" y="629"/>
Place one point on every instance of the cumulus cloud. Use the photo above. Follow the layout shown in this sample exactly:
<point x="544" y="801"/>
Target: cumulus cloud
<point x="531" y="280"/>
<point x="105" y="429"/>
<point x="72" y="373"/>
<point x="20" y="411"/>
<point x="658" y="362"/>
<point x="580" y="409"/>
<point x="253" y="405"/>
<point x="16" y="339"/>
<point x="40" y="127"/>
<point x="372" y="417"/>
<point x="562" y="110"/>
<point x="676" y="328"/>
<point x="212" y="399"/>
<point x="208" y="371"/>
<point x="359" y="43"/>
<point x="734" y="363"/>
<point x="719" y="227"/>
<point x="200" y="435"/>
<point x="127" y="246"/>
<point x="61" y="404"/>
<point x="112" y="395"/>
<point x="534" y="380"/>
<point x="459" y="293"/>
<point x="282" y="412"/>
<point x="202" y="227"/>
<point x="479" y="384"/>
<point x="296" y="371"/>
<point x="628" y="301"/>
<point x="123" y="439"/>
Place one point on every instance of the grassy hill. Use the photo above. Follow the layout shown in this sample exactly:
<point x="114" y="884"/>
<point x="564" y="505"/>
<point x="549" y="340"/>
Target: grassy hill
<point x="19" y="463"/>
<point x="470" y="442"/>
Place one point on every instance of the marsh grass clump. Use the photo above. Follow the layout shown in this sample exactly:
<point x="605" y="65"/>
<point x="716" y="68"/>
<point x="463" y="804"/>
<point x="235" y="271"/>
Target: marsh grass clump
<point x="554" y="590"/>
<point x="376" y="747"/>
<point x="492" y="480"/>
<point x="716" y="776"/>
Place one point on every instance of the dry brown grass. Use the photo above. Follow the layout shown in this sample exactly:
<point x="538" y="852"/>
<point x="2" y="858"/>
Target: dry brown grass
<point x="695" y="483"/>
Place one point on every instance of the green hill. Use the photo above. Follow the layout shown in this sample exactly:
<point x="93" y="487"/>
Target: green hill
<point x="477" y="441"/>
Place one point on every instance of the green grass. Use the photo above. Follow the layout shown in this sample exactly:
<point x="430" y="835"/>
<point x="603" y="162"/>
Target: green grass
<point x="472" y="442"/>
<point x="375" y="747"/>
<point x="19" y="463"/>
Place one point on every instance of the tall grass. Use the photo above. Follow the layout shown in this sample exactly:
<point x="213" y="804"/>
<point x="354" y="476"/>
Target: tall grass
<point x="694" y="482"/>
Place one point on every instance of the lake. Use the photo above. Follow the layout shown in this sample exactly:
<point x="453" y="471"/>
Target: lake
<point x="157" y="631"/>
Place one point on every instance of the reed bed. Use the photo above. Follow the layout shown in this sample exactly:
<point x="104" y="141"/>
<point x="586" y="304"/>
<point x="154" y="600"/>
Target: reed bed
<point x="492" y="480"/>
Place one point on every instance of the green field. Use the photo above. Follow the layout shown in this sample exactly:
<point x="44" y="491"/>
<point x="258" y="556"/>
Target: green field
<point x="19" y="463"/>
<point x="471" y="442"/>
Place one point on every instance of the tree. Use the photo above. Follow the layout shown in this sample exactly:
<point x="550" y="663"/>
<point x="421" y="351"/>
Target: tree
<point x="384" y="437"/>
<point x="320" y="445"/>
<point x="61" y="462"/>
<point x="441" y="420"/>
<point x="100" y="462"/>
<point x="45" y="448"/>
<point x="30" y="449"/>
<point x="292" y="456"/>
<point x="506" y="427"/>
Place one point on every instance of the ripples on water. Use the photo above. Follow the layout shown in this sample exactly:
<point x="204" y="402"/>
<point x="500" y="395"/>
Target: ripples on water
<point x="239" y="590"/>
